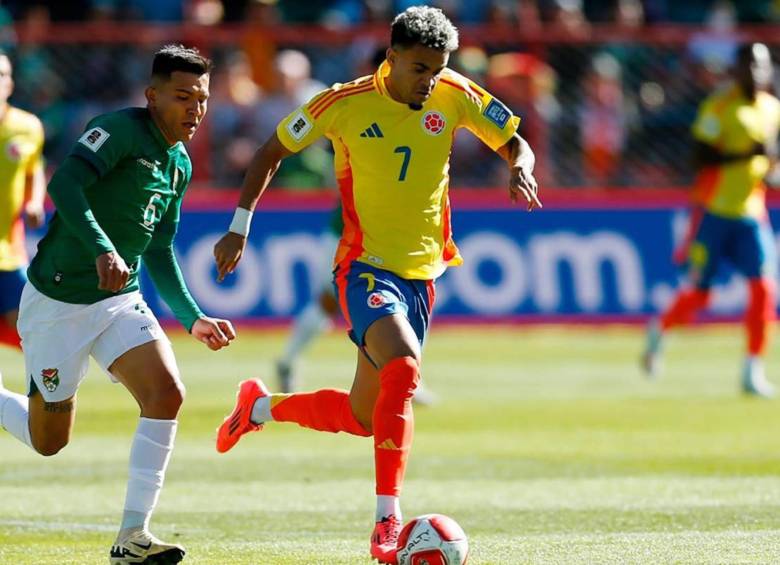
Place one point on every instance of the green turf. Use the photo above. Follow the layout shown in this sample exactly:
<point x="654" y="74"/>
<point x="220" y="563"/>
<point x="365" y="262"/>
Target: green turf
<point x="547" y="447"/>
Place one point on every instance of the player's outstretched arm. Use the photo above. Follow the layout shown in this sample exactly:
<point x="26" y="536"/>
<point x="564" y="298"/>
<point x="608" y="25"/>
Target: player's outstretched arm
<point x="521" y="160"/>
<point x="265" y="163"/>
<point x="706" y="155"/>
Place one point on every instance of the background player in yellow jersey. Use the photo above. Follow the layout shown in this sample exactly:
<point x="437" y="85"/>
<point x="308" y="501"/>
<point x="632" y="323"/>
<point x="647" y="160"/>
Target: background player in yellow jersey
<point x="392" y="134"/>
<point x="22" y="190"/>
<point x="736" y="146"/>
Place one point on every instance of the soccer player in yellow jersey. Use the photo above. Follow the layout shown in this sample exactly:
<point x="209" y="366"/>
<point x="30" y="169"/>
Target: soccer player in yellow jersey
<point x="22" y="190"/>
<point x="736" y="145"/>
<point x="392" y="133"/>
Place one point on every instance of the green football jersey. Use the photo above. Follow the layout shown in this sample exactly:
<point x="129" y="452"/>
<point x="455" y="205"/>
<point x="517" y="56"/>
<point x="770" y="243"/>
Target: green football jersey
<point x="136" y="199"/>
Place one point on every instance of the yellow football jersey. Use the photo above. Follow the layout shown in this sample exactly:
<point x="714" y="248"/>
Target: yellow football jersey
<point x="731" y="123"/>
<point x="21" y="147"/>
<point x="392" y="165"/>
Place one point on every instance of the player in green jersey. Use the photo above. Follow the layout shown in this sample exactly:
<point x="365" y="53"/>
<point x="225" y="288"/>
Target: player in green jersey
<point x="118" y="196"/>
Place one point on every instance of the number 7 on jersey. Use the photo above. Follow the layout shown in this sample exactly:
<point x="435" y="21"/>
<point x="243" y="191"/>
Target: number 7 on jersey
<point x="407" y="153"/>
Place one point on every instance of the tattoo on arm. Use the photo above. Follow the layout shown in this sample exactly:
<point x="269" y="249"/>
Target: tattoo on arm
<point x="58" y="407"/>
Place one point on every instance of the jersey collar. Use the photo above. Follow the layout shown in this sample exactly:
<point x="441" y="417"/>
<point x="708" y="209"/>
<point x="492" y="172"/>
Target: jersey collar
<point x="379" y="82"/>
<point x="157" y="134"/>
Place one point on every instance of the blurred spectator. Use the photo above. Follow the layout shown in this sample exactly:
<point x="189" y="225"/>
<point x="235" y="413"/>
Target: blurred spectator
<point x="602" y="121"/>
<point x="715" y="47"/>
<point x="244" y="117"/>
<point x="570" y="61"/>
<point x="7" y="31"/>
<point x="628" y="16"/>
<point x="526" y="84"/>
<point x="473" y="164"/>
<point x="566" y="16"/>
<point x="294" y="87"/>
<point x="234" y="96"/>
<point x="156" y="10"/>
<point x="529" y="17"/>
<point x="646" y="108"/>
<point x="57" y="10"/>
<point x="235" y="10"/>
<point x="311" y="168"/>
<point x="259" y="48"/>
<point x="308" y="12"/>
<point x="205" y="12"/>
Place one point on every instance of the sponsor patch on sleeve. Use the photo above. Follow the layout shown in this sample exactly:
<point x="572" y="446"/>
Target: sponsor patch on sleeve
<point x="93" y="138"/>
<point x="299" y="126"/>
<point x="497" y="113"/>
<point x="710" y="127"/>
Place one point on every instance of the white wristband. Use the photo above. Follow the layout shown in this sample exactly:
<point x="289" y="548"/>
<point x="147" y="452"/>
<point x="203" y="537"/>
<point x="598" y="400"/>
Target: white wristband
<point x="241" y="220"/>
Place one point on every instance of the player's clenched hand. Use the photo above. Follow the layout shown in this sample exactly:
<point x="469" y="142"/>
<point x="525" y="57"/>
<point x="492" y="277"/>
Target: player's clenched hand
<point x="213" y="332"/>
<point x="34" y="215"/>
<point x="523" y="184"/>
<point x="228" y="252"/>
<point x="112" y="271"/>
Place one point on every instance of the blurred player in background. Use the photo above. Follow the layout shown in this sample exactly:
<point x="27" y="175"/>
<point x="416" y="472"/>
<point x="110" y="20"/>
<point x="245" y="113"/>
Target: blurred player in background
<point x="317" y="316"/>
<point x="118" y="196"/>
<point x="736" y="146"/>
<point x="22" y="190"/>
<point x="392" y="133"/>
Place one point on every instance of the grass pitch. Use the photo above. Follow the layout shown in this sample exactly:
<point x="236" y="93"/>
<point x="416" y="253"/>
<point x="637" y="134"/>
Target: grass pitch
<point x="547" y="447"/>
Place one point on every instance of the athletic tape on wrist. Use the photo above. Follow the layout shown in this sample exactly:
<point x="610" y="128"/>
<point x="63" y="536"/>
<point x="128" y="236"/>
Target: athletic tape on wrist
<point x="241" y="220"/>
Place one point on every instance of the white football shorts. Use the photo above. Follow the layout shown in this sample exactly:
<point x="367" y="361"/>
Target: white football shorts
<point x="58" y="337"/>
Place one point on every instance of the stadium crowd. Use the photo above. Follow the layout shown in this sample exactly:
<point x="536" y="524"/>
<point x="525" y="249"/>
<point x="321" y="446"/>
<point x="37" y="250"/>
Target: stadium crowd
<point x="601" y="111"/>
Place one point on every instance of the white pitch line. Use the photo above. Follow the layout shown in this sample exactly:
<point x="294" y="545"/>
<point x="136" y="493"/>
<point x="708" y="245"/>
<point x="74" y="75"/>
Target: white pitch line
<point x="79" y="526"/>
<point x="64" y="526"/>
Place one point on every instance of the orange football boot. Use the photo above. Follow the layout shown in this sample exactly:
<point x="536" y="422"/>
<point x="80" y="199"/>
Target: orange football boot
<point x="239" y="422"/>
<point x="384" y="540"/>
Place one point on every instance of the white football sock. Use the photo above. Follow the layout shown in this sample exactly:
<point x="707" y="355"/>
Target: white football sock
<point x="149" y="456"/>
<point x="261" y="411"/>
<point x="15" y="415"/>
<point x="387" y="506"/>
<point x="309" y="324"/>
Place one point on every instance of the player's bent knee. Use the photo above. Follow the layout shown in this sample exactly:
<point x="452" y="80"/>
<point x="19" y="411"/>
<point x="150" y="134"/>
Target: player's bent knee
<point x="404" y="371"/>
<point x="365" y="420"/>
<point x="50" y="423"/>
<point x="49" y="446"/>
<point x="165" y="401"/>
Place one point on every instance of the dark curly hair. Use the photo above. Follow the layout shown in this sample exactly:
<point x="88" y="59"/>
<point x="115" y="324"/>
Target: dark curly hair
<point x="173" y="58"/>
<point x="426" y="26"/>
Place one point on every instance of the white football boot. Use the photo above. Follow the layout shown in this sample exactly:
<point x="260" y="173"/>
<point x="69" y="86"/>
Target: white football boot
<point x="142" y="547"/>
<point x="754" y="379"/>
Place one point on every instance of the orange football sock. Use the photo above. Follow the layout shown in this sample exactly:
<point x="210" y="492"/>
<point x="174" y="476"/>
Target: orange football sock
<point x="326" y="410"/>
<point x="685" y="306"/>
<point x="393" y="423"/>
<point x="9" y="335"/>
<point x="760" y="314"/>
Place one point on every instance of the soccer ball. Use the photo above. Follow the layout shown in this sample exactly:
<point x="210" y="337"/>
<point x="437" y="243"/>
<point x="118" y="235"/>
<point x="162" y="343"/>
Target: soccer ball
<point x="432" y="539"/>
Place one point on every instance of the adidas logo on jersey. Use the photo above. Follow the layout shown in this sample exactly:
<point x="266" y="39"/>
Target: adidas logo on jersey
<point x="372" y="131"/>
